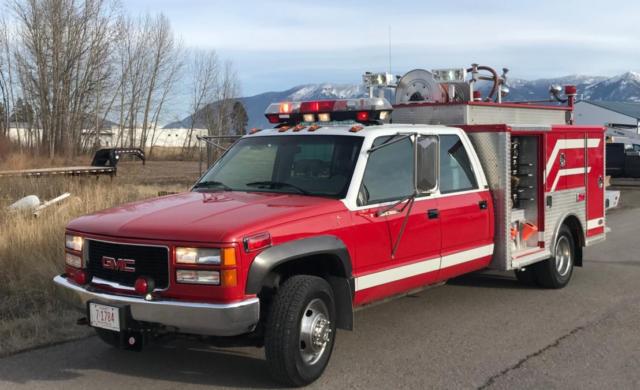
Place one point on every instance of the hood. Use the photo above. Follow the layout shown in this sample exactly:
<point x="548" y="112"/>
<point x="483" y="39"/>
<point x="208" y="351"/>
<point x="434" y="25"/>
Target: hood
<point x="203" y="216"/>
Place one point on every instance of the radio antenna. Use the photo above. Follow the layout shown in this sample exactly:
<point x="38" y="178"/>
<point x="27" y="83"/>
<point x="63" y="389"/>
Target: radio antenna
<point x="389" y="38"/>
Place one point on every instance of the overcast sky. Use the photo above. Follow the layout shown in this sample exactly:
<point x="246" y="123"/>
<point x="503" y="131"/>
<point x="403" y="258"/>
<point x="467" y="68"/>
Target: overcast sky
<point x="279" y="44"/>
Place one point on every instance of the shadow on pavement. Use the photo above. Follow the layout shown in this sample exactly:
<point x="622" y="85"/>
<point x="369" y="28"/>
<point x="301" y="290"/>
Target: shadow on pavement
<point x="489" y="280"/>
<point x="180" y="361"/>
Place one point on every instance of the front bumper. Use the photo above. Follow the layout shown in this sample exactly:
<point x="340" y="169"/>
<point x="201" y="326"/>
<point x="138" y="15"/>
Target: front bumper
<point x="188" y="317"/>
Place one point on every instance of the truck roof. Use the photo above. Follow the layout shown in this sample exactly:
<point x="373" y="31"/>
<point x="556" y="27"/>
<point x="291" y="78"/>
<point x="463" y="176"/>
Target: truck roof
<point x="366" y="131"/>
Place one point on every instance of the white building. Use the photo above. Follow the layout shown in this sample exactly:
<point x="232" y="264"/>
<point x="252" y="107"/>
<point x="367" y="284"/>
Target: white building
<point x="112" y="137"/>
<point x="622" y="119"/>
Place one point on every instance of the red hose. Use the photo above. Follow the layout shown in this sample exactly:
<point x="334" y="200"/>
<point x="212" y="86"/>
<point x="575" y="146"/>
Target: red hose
<point x="495" y="79"/>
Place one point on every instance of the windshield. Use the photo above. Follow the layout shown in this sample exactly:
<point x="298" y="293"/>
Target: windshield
<point x="319" y="165"/>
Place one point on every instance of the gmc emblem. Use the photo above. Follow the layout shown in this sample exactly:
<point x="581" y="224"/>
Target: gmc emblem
<point x="123" y="265"/>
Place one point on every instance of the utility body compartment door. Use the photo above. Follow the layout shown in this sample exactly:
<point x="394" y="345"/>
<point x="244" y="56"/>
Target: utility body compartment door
<point x="595" y="185"/>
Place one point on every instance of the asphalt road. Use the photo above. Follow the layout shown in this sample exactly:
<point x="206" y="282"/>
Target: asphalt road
<point x="479" y="331"/>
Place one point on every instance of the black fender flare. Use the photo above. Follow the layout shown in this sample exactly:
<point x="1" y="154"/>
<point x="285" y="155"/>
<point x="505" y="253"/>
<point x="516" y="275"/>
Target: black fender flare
<point x="343" y="284"/>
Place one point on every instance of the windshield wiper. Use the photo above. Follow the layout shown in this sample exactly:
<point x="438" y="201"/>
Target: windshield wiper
<point x="212" y="183"/>
<point x="277" y="184"/>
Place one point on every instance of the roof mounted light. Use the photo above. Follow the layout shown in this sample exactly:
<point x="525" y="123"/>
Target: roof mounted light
<point x="379" y="79"/>
<point x="454" y="75"/>
<point x="366" y="111"/>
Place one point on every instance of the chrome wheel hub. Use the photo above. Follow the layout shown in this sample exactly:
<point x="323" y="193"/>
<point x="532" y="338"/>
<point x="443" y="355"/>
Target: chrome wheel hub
<point x="315" y="331"/>
<point x="563" y="256"/>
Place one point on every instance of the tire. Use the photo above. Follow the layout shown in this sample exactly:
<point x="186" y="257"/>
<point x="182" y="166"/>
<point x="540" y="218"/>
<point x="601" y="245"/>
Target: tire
<point x="526" y="276"/>
<point x="298" y="341"/>
<point x="556" y="271"/>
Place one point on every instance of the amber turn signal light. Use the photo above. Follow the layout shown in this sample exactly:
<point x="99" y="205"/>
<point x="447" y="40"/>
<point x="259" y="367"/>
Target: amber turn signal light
<point x="228" y="256"/>
<point x="229" y="278"/>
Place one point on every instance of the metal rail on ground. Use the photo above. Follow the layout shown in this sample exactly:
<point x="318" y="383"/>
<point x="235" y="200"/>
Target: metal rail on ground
<point x="104" y="162"/>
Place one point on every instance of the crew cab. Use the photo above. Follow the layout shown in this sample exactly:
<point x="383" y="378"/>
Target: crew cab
<point x="295" y="226"/>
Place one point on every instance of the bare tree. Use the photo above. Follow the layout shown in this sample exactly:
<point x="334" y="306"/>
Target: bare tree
<point x="171" y="75"/>
<point x="161" y="47"/>
<point x="204" y="71"/>
<point x="148" y="60"/>
<point x="218" y="115"/>
<point x="79" y="63"/>
<point x="6" y="84"/>
<point x="64" y="46"/>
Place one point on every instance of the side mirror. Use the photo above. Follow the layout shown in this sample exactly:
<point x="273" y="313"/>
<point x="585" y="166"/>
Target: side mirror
<point x="426" y="164"/>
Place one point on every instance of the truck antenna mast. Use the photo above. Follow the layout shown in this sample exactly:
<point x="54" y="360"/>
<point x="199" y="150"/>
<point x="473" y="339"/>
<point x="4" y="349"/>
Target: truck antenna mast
<point x="389" y="39"/>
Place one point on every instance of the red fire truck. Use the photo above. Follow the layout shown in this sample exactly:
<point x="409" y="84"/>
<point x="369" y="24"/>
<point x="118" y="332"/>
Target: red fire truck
<point x="342" y="204"/>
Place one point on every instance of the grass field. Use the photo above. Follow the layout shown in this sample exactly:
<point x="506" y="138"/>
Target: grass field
<point x="31" y="249"/>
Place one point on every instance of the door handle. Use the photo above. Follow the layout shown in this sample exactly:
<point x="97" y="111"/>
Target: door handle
<point x="483" y="204"/>
<point x="368" y="213"/>
<point x="433" y="213"/>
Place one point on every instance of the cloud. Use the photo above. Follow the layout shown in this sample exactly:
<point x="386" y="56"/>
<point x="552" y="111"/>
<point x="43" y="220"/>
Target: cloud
<point x="276" y="44"/>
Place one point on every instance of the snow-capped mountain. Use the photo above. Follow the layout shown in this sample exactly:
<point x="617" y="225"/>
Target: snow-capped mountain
<point x="624" y="87"/>
<point x="328" y="91"/>
<point x="256" y="105"/>
<point x="539" y="89"/>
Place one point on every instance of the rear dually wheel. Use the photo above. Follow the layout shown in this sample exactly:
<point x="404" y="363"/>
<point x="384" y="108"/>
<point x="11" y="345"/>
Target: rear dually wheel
<point x="556" y="271"/>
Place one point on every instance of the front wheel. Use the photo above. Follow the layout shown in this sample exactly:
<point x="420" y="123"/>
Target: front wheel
<point x="556" y="271"/>
<point x="300" y="330"/>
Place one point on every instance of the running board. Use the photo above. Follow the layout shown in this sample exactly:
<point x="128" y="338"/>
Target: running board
<point x="526" y="260"/>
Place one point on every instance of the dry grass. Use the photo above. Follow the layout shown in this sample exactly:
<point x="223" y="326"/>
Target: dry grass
<point x="13" y="161"/>
<point x="31" y="249"/>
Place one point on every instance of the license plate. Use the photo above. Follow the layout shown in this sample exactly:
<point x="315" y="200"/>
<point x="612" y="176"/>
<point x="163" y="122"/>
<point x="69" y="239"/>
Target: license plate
<point x="105" y="317"/>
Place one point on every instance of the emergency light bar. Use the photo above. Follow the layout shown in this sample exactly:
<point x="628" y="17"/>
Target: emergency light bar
<point x="366" y="111"/>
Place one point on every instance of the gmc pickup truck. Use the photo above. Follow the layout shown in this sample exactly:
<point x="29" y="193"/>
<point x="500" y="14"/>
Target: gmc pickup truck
<point x="295" y="226"/>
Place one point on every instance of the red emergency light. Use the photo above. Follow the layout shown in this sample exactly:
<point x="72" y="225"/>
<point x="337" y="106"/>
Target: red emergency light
<point x="365" y="111"/>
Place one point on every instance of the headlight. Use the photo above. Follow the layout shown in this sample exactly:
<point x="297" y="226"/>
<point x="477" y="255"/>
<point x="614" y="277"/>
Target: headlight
<point x="198" y="256"/>
<point x="206" y="256"/>
<point x="73" y="260"/>
<point x="73" y="242"/>
<point x="198" y="277"/>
